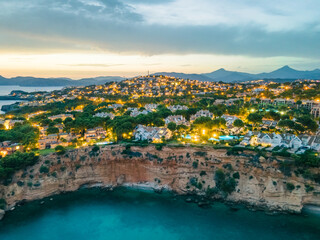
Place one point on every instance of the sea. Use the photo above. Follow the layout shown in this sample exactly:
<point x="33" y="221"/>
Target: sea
<point x="6" y="90"/>
<point x="131" y="214"/>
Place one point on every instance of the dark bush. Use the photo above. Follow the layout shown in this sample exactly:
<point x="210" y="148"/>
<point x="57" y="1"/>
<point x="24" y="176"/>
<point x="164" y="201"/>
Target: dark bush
<point x="236" y="175"/>
<point x="195" y="164"/>
<point x="3" y="203"/>
<point x="95" y="149"/>
<point x="290" y="186"/>
<point x="203" y="173"/>
<point x="60" y="150"/>
<point x="224" y="183"/>
<point x="200" y="154"/>
<point x="15" y="162"/>
<point x="44" y="169"/>
<point x="309" y="188"/>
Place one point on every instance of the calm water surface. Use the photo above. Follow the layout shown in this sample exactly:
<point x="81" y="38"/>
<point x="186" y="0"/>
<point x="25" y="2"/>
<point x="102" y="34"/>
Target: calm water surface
<point x="6" y="90"/>
<point x="127" y="214"/>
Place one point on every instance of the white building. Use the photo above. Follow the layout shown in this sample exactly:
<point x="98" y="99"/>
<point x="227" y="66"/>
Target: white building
<point x="229" y="119"/>
<point x="151" y="106"/>
<point x="177" y="119"/>
<point x="154" y="134"/>
<point x="201" y="113"/>
<point x="104" y="115"/>
<point x="177" y="107"/>
<point x="266" y="139"/>
<point x="135" y="112"/>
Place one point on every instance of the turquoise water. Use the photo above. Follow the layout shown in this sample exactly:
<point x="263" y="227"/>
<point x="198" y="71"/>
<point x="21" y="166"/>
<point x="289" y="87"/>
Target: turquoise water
<point x="124" y="214"/>
<point x="227" y="137"/>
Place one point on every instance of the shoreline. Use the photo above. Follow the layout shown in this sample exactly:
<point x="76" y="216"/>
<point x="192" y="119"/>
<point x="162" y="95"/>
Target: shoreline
<point x="201" y="201"/>
<point x="111" y="168"/>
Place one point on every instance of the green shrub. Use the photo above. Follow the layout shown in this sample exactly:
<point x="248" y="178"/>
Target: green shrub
<point x="20" y="183"/>
<point x="159" y="147"/>
<point x="60" y="150"/>
<point x="203" y="173"/>
<point x="235" y="150"/>
<point x="44" y="169"/>
<point x="37" y="184"/>
<point x="309" y="188"/>
<point x="282" y="153"/>
<point x="212" y="191"/>
<point x="3" y="203"/>
<point x="200" y="154"/>
<point x="286" y="168"/>
<point x="195" y="164"/>
<point x="63" y="168"/>
<point x="229" y="185"/>
<point x="194" y="182"/>
<point x="227" y="166"/>
<point x="290" y="186"/>
<point x="236" y="175"/>
<point x="308" y="159"/>
<point x="225" y="183"/>
<point x="14" y="162"/>
<point x="95" y="149"/>
<point x="219" y="176"/>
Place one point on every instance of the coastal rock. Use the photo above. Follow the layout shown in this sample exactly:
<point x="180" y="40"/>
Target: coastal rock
<point x="2" y="213"/>
<point x="204" y="204"/>
<point x="121" y="179"/>
<point x="256" y="187"/>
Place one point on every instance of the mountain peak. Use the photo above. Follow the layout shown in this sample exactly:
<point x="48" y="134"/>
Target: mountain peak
<point x="286" y="67"/>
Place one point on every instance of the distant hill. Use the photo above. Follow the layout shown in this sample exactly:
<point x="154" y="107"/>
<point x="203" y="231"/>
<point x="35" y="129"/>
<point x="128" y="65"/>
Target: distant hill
<point x="223" y="75"/>
<point x="285" y="73"/>
<point x="47" y="82"/>
<point x="229" y="76"/>
<point x="200" y="77"/>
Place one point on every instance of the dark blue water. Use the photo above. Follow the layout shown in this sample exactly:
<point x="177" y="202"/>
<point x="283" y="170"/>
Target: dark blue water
<point x="127" y="214"/>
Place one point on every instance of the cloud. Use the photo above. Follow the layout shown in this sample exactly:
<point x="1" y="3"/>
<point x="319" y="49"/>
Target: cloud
<point x="246" y="27"/>
<point x="272" y="15"/>
<point x="92" y="65"/>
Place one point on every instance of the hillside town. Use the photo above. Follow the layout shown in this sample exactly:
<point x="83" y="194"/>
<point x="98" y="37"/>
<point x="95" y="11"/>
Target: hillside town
<point x="159" y="109"/>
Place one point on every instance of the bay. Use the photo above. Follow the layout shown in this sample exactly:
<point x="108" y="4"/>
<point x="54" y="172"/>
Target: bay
<point x="6" y="90"/>
<point x="129" y="214"/>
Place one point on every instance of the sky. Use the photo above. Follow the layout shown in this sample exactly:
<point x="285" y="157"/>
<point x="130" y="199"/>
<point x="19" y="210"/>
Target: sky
<point x="88" y="38"/>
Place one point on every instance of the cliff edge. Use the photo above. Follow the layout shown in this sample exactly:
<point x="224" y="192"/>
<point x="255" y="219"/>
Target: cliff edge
<point x="244" y="178"/>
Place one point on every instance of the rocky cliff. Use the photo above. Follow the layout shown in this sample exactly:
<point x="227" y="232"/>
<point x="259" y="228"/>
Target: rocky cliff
<point x="259" y="182"/>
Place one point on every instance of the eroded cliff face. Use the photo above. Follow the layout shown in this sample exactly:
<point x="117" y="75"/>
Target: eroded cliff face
<point x="260" y="184"/>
